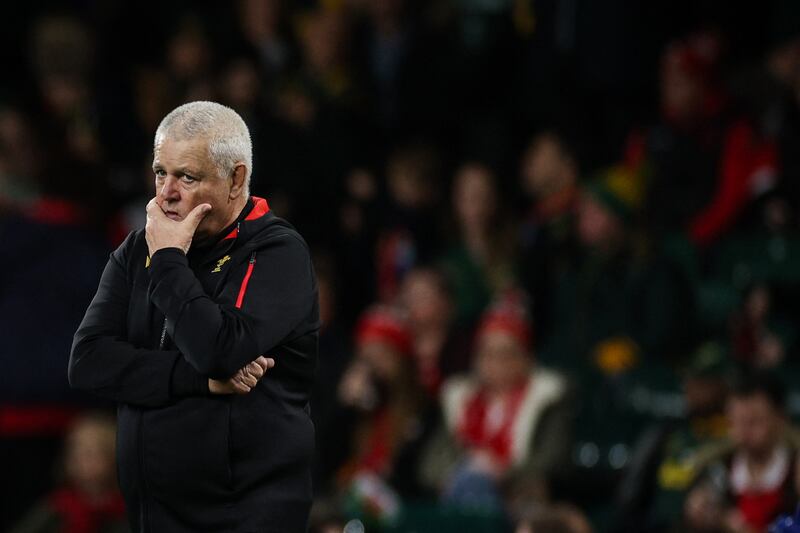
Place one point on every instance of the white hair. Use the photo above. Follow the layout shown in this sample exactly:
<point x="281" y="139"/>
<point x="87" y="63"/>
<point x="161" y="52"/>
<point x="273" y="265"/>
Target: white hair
<point x="228" y="138"/>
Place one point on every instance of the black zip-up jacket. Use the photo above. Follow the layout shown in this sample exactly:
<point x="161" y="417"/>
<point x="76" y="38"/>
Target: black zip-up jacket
<point x="158" y="328"/>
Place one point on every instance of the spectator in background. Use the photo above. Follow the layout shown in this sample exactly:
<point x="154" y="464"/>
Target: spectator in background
<point x="189" y="60"/>
<point x="507" y="425"/>
<point x="718" y="168"/>
<point x="389" y="43"/>
<point x="618" y="289"/>
<point x="664" y="461"/>
<point x="381" y="389"/>
<point x="403" y="67"/>
<point x="71" y="124"/>
<point x="767" y="94"/>
<point x="619" y="323"/>
<point x="760" y="337"/>
<point x="324" y="40"/>
<point x="547" y="239"/>
<point x="440" y="349"/>
<point x="480" y="261"/>
<point x="265" y="29"/>
<point x="681" y="151"/>
<point x="748" y="481"/>
<point x="748" y="170"/>
<point x="319" y="131"/>
<point x="409" y="233"/>
<point x="63" y="56"/>
<point x="89" y="500"/>
<point x="241" y="88"/>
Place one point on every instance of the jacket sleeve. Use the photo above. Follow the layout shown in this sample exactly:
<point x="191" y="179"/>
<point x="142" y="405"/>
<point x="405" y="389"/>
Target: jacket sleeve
<point x="103" y="362"/>
<point x="218" y="337"/>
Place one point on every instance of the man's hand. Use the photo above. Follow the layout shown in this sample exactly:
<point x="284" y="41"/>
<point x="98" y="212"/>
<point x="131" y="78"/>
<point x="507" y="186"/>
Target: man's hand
<point x="244" y="380"/>
<point x="163" y="232"/>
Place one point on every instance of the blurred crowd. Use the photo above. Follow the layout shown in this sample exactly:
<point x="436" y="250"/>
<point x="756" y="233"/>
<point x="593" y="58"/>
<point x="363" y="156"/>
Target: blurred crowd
<point x="557" y="244"/>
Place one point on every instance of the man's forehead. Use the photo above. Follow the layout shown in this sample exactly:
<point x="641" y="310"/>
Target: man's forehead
<point x="192" y="152"/>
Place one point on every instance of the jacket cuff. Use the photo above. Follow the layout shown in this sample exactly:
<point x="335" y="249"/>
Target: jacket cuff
<point x="185" y="381"/>
<point x="170" y="281"/>
<point x="167" y="255"/>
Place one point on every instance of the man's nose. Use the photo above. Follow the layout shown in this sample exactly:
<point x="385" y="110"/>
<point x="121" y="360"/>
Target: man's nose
<point x="169" y="189"/>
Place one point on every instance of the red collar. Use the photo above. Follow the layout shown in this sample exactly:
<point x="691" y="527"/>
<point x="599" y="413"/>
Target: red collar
<point x="260" y="208"/>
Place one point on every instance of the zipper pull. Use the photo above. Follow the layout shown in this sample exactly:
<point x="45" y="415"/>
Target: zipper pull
<point x="163" y="335"/>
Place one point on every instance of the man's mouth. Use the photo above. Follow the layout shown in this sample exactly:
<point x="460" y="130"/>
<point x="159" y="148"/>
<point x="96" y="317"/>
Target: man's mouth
<point x="173" y="215"/>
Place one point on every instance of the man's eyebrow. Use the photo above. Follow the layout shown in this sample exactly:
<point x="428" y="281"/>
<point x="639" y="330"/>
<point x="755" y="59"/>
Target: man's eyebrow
<point x="182" y="170"/>
<point x="189" y="170"/>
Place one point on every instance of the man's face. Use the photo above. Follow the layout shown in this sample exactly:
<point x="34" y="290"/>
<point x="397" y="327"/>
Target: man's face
<point x="185" y="178"/>
<point x="424" y="299"/>
<point x="545" y="169"/>
<point x="755" y="424"/>
<point x="474" y="196"/>
<point x="597" y="226"/>
<point x="501" y="361"/>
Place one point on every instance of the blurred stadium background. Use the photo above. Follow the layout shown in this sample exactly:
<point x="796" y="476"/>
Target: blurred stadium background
<point x="620" y="179"/>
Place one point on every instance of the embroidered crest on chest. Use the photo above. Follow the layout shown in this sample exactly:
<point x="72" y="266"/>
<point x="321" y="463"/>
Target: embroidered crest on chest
<point x="221" y="262"/>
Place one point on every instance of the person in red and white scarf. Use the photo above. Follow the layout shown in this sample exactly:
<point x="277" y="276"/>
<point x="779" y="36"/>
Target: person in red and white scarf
<point x="507" y="425"/>
<point x="381" y="390"/>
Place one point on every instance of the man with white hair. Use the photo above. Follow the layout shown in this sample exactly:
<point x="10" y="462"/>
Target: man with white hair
<point x="211" y="437"/>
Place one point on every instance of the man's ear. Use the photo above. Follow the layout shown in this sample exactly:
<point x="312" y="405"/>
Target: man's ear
<point x="237" y="181"/>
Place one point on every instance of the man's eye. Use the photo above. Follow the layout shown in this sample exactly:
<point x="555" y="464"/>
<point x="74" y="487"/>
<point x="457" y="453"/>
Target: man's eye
<point x="160" y="173"/>
<point x="189" y="179"/>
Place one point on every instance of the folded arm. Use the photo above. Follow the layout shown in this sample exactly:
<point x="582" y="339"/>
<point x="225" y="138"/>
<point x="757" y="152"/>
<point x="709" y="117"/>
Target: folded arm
<point x="219" y="337"/>
<point x="103" y="362"/>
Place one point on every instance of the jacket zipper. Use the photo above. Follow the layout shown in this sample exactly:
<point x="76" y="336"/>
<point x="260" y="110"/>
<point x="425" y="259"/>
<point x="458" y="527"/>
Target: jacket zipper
<point x="144" y="491"/>
<point x="246" y="280"/>
<point x="144" y="517"/>
<point x="163" y="340"/>
<point x="144" y="511"/>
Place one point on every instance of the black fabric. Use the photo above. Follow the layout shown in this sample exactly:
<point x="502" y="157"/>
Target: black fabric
<point x="189" y="460"/>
